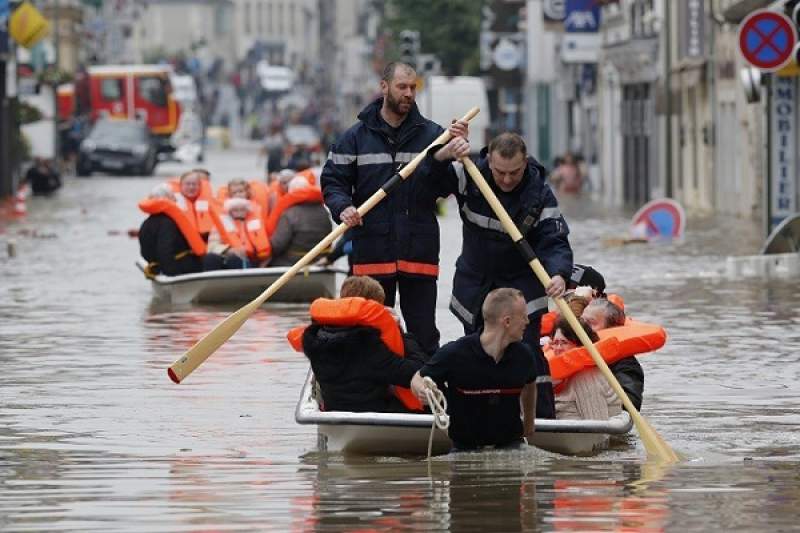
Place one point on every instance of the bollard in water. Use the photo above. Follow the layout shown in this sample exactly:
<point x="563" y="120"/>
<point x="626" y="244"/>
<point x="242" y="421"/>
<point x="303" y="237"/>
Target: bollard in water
<point x="11" y="248"/>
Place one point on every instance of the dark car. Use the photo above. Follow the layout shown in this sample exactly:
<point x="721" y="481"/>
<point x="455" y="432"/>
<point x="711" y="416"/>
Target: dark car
<point x="121" y="146"/>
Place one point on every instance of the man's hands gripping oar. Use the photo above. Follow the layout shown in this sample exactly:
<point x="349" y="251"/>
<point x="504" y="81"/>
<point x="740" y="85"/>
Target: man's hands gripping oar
<point x="656" y="446"/>
<point x="206" y="346"/>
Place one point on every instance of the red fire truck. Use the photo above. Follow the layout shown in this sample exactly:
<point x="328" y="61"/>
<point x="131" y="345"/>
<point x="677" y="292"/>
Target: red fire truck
<point x="140" y="92"/>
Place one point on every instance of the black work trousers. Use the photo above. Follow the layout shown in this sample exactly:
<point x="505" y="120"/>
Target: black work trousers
<point x="418" y="306"/>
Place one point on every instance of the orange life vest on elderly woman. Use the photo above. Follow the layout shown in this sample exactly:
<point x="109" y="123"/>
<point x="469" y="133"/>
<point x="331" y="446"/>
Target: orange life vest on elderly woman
<point x="299" y="196"/>
<point x="259" y="196"/>
<point x="249" y="234"/>
<point x="615" y="344"/>
<point x="155" y="206"/>
<point x="360" y="312"/>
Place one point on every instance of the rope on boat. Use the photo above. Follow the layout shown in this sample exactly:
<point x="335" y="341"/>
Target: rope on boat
<point x="438" y="404"/>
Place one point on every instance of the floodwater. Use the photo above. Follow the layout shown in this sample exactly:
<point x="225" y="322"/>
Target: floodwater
<point x="94" y="437"/>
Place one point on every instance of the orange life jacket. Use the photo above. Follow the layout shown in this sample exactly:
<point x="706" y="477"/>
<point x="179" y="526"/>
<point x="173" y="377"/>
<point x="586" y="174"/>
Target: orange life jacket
<point x="249" y="234"/>
<point x="548" y="323"/>
<point x="259" y="195"/>
<point x="615" y="344"/>
<point x="309" y="175"/>
<point x="359" y="312"/>
<point x="202" y="212"/>
<point x="299" y="196"/>
<point x="617" y="300"/>
<point x="155" y="206"/>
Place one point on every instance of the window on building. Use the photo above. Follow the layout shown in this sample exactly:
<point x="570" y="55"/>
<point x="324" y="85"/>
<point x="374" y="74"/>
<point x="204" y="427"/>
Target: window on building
<point x="260" y="17"/>
<point x="292" y="18"/>
<point x="280" y="19"/>
<point x="248" y="16"/>
<point x="222" y="20"/>
<point x="111" y="89"/>
<point x="270" y="19"/>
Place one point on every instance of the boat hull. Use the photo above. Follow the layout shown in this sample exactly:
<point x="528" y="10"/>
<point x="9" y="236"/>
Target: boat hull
<point x="222" y="286"/>
<point x="406" y="433"/>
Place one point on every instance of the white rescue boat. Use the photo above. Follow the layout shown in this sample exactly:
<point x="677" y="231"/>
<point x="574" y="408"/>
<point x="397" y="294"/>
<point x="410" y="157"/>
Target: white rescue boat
<point x="408" y="433"/>
<point x="241" y="285"/>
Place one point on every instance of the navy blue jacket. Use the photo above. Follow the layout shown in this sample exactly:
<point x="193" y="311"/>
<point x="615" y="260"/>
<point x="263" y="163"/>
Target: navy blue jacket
<point x="489" y="259"/>
<point x="400" y="235"/>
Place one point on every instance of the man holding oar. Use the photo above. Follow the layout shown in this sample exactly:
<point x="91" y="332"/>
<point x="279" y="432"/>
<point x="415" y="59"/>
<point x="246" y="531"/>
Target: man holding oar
<point x="397" y="242"/>
<point x="489" y="259"/>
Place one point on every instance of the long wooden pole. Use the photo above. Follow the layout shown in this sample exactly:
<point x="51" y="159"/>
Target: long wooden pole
<point x="656" y="447"/>
<point x="209" y="344"/>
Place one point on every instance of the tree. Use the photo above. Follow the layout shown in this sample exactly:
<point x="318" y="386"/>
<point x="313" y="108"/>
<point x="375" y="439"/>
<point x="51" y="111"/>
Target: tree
<point x="450" y="29"/>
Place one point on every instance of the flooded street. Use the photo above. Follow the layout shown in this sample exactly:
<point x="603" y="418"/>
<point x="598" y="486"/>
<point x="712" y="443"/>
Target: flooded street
<point x="94" y="436"/>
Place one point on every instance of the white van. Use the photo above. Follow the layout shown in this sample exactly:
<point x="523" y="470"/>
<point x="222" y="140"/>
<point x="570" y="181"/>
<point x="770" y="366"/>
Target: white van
<point x="444" y="98"/>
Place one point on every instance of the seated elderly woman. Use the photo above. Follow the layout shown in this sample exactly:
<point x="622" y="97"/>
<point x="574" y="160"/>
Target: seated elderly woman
<point x="243" y="236"/>
<point x="601" y="314"/>
<point x="586" y="395"/>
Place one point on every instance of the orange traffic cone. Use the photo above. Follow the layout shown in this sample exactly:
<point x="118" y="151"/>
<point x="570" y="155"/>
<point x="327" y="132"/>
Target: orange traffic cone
<point x="20" y="209"/>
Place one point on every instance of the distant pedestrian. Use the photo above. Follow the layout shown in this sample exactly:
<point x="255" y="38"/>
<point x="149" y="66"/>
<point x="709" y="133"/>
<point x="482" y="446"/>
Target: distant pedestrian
<point x="42" y="177"/>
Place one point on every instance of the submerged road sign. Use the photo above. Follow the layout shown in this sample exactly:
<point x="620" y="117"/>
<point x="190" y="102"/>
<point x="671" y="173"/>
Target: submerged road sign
<point x="767" y="39"/>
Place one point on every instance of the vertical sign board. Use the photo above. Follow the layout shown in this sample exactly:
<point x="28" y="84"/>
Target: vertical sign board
<point x="692" y="27"/>
<point x="582" y="42"/>
<point x="783" y="175"/>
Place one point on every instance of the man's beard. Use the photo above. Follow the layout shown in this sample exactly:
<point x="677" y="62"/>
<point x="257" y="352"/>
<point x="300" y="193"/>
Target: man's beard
<point x="394" y="105"/>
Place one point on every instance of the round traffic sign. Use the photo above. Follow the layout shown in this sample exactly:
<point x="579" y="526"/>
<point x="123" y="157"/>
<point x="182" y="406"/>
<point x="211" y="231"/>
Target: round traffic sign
<point x="767" y="39"/>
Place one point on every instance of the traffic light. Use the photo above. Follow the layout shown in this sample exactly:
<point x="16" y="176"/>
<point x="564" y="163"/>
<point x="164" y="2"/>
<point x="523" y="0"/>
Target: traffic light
<point x="409" y="46"/>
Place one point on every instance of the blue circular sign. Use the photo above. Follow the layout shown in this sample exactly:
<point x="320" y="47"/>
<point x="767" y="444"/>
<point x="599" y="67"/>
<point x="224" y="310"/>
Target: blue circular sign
<point x="767" y="39"/>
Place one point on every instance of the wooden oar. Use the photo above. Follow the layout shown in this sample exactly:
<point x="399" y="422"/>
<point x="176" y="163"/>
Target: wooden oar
<point x="225" y="330"/>
<point x="656" y="447"/>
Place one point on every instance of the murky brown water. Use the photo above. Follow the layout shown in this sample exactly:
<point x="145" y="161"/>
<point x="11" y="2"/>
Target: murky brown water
<point x="94" y="437"/>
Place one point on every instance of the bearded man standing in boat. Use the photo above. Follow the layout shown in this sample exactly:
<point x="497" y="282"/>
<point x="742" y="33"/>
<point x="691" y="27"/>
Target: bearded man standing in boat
<point x="397" y="242"/>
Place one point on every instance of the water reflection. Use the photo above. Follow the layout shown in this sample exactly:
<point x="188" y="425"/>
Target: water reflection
<point x="512" y="491"/>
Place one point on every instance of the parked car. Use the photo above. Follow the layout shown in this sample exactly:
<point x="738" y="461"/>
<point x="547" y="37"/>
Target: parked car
<point x="121" y="146"/>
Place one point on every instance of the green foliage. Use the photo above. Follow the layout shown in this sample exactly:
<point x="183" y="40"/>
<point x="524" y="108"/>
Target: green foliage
<point x="449" y="29"/>
<point x="27" y="113"/>
<point x="54" y="77"/>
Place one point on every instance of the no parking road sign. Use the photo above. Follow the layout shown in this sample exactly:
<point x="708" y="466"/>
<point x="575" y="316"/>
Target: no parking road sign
<point x="767" y="39"/>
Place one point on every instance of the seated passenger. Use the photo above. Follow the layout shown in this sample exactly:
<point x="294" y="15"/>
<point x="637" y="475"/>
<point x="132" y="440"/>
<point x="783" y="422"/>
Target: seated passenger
<point x="244" y="236"/>
<point x="587" y="394"/>
<point x="43" y="178"/>
<point x="298" y="223"/>
<point x="195" y="200"/>
<point x="486" y="376"/>
<point x="602" y="314"/>
<point x="357" y="351"/>
<point x="168" y="241"/>
<point x="255" y="191"/>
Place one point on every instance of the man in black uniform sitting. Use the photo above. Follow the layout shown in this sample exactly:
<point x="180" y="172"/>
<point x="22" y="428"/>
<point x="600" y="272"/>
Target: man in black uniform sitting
<point x="484" y="375"/>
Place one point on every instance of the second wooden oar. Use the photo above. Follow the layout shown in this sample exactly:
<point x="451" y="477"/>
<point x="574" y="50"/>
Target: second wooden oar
<point x="656" y="447"/>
